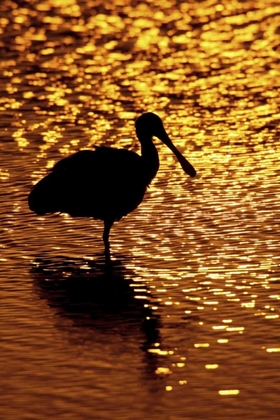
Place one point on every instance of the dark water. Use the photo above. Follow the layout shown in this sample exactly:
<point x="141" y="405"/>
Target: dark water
<point x="185" y="324"/>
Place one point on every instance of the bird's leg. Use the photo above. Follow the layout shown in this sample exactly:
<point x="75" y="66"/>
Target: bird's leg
<point x="107" y="226"/>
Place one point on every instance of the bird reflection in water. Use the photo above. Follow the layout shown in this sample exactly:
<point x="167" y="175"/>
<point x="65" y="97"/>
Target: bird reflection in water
<point x="107" y="183"/>
<point x="96" y="297"/>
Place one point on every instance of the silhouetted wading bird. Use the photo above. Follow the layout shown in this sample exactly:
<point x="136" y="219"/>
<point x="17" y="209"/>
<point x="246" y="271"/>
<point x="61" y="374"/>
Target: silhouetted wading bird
<point x="105" y="183"/>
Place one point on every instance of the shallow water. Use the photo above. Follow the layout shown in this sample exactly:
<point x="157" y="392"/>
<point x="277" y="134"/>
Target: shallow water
<point x="185" y="324"/>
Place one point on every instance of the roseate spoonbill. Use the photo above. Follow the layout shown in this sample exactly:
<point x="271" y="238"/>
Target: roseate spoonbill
<point x="105" y="183"/>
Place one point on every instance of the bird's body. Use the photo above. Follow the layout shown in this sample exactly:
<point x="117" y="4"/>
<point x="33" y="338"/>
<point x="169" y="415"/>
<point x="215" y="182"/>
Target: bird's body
<point x="92" y="183"/>
<point x="105" y="183"/>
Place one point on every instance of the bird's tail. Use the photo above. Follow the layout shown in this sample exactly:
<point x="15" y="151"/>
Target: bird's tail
<point x="44" y="196"/>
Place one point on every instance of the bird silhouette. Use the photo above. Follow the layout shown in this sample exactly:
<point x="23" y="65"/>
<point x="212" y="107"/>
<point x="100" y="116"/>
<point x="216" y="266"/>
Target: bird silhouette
<point x="105" y="183"/>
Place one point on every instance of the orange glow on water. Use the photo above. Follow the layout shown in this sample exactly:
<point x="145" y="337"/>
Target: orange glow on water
<point x="196" y="266"/>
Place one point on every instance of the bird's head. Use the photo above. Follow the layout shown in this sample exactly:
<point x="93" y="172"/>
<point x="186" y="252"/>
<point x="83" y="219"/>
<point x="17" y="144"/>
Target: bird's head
<point x="149" y="125"/>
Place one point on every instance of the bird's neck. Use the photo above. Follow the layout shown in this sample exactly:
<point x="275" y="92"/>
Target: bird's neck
<point x="150" y="159"/>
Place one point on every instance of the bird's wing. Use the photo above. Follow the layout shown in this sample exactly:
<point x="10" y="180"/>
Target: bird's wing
<point x="74" y="162"/>
<point x="105" y="163"/>
<point x="107" y="182"/>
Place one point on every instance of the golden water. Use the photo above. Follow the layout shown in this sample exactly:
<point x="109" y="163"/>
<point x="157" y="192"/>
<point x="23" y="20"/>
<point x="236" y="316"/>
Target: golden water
<point x="186" y="324"/>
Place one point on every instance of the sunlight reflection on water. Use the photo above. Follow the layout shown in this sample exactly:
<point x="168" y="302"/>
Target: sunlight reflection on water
<point x="190" y="311"/>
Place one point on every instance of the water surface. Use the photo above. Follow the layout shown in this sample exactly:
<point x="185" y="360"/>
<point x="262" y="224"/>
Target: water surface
<point x="185" y="324"/>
